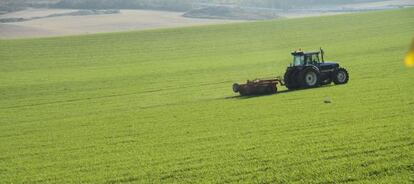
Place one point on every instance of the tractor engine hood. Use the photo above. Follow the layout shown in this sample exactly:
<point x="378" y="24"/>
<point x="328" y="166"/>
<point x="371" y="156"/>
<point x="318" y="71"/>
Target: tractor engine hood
<point x="328" y="65"/>
<point x="333" y="64"/>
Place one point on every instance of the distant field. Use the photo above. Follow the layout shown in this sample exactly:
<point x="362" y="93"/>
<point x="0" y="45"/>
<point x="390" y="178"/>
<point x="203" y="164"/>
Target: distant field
<point x="127" y="20"/>
<point x="157" y="106"/>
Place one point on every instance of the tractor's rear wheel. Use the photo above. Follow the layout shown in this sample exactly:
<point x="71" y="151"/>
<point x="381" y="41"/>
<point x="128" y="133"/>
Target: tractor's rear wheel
<point x="309" y="78"/>
<point x="340" y="76"/>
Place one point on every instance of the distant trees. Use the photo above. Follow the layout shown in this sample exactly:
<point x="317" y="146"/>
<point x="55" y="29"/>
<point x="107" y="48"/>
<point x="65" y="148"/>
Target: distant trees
<point x="286" y="4"/>
<point x="16" y="5"/>
<point x="171" y="5"/>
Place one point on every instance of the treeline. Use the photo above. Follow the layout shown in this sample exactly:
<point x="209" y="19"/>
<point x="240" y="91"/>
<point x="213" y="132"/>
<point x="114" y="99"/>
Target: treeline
<point x="170" y="5"/>
<point x="288" y="4"/>
<point x="16" y="5"/>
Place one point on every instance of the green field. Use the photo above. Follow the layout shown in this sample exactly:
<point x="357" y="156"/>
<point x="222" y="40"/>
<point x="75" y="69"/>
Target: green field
<point x="157" y="106"/>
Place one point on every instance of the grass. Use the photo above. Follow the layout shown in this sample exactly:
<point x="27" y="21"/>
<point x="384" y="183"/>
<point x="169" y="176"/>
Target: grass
<point x="157" y="106"/>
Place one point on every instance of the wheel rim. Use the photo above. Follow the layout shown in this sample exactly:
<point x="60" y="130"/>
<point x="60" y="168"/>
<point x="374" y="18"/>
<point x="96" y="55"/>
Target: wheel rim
<point x="311" y="78"/>
<point x="341" y="76"/>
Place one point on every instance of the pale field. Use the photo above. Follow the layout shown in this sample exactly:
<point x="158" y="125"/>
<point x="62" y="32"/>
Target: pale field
<point x="126" y="20"/>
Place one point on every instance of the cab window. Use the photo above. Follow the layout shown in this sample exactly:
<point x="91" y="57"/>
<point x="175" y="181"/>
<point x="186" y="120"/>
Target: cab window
<point x="315" y="58"/>
<point x="308" y="59"/>
<point x="298" y="60"/>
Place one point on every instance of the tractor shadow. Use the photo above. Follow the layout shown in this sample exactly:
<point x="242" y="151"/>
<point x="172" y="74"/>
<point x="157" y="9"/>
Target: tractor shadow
<point x="278" y="92"/>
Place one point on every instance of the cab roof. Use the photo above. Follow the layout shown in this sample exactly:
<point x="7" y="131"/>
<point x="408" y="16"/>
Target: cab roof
<point x="295" y="53"/>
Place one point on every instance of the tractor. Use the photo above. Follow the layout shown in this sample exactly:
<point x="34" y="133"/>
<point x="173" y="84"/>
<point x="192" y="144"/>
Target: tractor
<point x="307" y="70"/>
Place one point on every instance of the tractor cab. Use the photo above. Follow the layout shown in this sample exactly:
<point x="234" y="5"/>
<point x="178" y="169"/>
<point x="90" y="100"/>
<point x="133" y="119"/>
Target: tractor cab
<point x="314" y="58"/>
<point x="301" y="58"/>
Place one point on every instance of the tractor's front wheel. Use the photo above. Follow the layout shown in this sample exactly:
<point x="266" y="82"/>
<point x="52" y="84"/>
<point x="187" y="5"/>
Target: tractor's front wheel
<point x="340" y="76"/>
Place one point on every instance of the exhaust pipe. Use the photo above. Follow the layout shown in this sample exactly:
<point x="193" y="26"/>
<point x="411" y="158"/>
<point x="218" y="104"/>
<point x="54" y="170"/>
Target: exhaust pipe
<point x="322" y="53"/>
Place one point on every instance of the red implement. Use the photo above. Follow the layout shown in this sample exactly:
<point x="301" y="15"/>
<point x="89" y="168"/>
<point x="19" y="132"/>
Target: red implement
<point x="258" y="86"/>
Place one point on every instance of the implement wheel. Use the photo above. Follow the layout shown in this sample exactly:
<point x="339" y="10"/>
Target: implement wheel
<point x="236" y="87"/>
<point x="290" y="79"/>
<point x="271" y="89"/>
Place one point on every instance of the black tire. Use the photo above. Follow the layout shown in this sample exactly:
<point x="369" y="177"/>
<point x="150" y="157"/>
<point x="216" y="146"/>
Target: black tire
<point x="236" y="87"/>
<point x="309" y="77"/>
<point x="340" y="76"/>
<point x="290" y="79"/>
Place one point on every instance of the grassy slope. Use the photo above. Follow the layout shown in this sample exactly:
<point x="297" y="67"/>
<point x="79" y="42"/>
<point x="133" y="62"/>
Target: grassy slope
<point x="157" y="106"/>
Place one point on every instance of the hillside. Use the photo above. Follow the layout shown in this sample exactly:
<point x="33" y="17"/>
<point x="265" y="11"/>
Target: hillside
<point x="157" y="106"/>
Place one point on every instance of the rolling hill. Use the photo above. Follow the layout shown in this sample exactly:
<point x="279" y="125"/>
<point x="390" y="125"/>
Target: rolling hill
<point x="157" y="106"/>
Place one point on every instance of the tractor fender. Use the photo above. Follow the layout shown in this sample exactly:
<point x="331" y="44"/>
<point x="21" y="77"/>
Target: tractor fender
<point x="313" y="67"/>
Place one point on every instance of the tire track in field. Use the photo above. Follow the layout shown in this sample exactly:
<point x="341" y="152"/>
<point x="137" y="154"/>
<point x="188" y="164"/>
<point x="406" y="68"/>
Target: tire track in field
<point x="351" y="154"/>
<point x="113" y="96"/>
<point x="345" y="155"/>
<point x="140" y="107"/>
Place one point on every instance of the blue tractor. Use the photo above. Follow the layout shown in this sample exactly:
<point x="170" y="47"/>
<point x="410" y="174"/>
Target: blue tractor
<point x="309" y="69"/>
